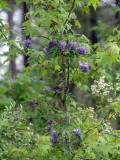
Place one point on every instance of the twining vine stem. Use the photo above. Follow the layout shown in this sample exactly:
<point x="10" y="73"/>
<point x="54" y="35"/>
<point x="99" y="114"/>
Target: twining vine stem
<point x="70" y="12"/>
<point x="42" y="37"/>
<point x="69" y="15"/>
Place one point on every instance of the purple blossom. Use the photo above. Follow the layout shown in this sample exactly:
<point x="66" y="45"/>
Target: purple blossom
<point x="62" y="46"/>
<point x="84" y="67"/>
<point x="32" y="104"/>
<point x="27" y="43"/>
<point x="36" y="101"/>
<point x="73" y="45"/>
<point x="50" y="44"/>
<point x="82" y="50"/>
<point x="56" y="89"/>
<point x="77" y="132"/>
<point x="46" y="88"/>
<point x="16" y="106"/>
<point x="50" y="121"/>
<point x="41" y="79"/>
<point x="54" y="139"/>
<point x="49" y="128"/>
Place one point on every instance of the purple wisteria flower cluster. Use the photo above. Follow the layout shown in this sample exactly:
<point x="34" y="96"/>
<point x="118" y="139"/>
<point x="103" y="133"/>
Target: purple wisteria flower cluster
<point x="27" y="43"/>
<point x="50" y="122"/>
<point x="73" y="45"/>
<point x="50" y="45"/>
<point x="56" y="89"/>
<point x="54" y="133"/>
<point x="47" y="89"/>
<point x="54" y="139"/>
<point x="84" y="67"/>
<point x="82" y="50"/>
<point x="49" y="128"/>
<point x="62" y="46"/>
<point x="77" y="132"/>
<point x="33" y="103"/>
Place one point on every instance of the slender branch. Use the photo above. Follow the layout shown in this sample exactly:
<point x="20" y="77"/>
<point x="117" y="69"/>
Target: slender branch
<point x="68" y="77"/>
<point x="73" y="140"/>
<point x="13" y="45"/>
<point x="100" y="122"/>
<point x="106" y="116"/>
<point x="42" y="37"/>
<point x="87" y="158"/>
<point x="64" y="81"/>
<point x="49" y="105"/>
<point x="70" y="12"/>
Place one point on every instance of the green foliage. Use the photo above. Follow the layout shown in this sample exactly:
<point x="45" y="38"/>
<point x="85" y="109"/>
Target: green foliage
<point x="19" y="139"/>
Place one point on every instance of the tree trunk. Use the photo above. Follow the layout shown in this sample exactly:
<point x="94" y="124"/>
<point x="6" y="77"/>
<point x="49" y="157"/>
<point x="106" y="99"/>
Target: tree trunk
<point x="12" y="64"/>
<point x="25" y="10"/>
<point x="117" y="16"/>
<point x="93" y="21"/>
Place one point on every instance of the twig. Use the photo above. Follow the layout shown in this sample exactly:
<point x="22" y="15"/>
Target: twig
<point x="68" y="77"/>
<point x="100" y="122"/>
<point x="70" y="12"/>
<point x="64" y="82"/>
<point x="105" y="116"/>
<point x="49" y="105"/>
<point x="13" y="45"/>
<point x="42" y="37"/>
<point x="87" y="158"/>
<point x="69" y="15"/>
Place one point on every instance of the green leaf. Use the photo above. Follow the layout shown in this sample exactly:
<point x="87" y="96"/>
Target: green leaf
<point x="9" y="58"/>
<point x="77" y="24"/>
<point x="26" y="23"/>
<point x="57" y="67"/>
<point x="85" y="9"/>
<point x="94" y="3"/>
<point x="3" y="3"/>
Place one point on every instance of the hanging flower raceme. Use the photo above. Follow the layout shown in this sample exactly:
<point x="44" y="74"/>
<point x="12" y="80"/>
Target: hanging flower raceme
<point x="49" y="128"/>
<point x="27" y="43"/>
<point x="77" y="132"/>
<point x="56" y="89"/>
<point x="84" y="67"/>
<point x="82" y="50"/>
<point x="50" y="45"/>
<point x="36" y="101"/>
<point x="62" y="46"/>
<point x="73" y="45"/>
<point x="54" y="139"/>
<point x="31" y="104"/>
<point x="50" y="122"/>
<point x="46" y="88"/>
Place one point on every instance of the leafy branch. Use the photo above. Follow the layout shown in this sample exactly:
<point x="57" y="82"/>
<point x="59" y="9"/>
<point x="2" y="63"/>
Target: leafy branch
<point x="69" y="14"/>
<point x="12" y="44"/>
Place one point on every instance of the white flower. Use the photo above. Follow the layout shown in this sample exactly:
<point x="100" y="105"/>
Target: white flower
<point x="105" y="92"/>
<point x="110" y="100"/>
<point x="118" y="76"/>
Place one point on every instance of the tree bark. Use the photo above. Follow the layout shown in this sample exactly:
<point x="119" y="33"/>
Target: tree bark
<point x="12" y="64"/>
<point x="117" y="16"/>
<point x="24" y="11"/>
<point x="93" y="21"/>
